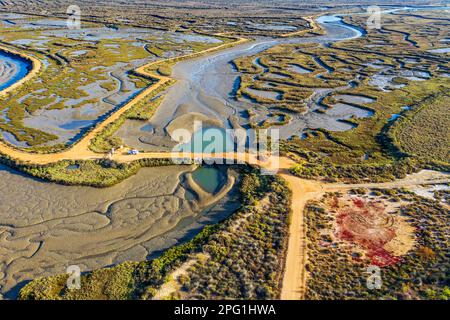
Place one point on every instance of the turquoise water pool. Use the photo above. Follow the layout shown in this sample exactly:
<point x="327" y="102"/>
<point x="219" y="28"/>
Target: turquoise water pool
<point x="208" y="178"/>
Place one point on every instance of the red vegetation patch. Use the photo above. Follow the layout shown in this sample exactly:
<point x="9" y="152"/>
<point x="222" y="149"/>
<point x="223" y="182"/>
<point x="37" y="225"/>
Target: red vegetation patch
<point x="381" y="257"/>
<point x="367" y="224"/>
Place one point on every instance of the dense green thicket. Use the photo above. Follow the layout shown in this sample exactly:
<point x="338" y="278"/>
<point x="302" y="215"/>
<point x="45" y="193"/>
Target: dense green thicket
<point x="114" y="283"/>
<point x="375" y="172"/>
<point x="244" y="260"/>
<point x="95" y="173"/>
<point x="425" y="130"/>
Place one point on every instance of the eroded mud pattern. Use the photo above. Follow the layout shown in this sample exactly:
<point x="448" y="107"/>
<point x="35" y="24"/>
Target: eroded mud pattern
<point x="46" y="227"/>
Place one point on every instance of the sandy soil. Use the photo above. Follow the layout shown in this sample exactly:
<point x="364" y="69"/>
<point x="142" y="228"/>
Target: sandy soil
<point x="313" y="27"/>
<point x="172" y="286"/>
<point x="373" y="223"/>
<point x="294" y="280"/>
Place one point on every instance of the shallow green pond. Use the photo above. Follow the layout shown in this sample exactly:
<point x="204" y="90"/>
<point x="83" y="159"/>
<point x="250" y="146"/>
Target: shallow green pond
<point x="208" y="178"/>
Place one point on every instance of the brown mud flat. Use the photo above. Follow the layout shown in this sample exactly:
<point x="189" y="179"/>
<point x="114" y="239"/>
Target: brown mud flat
<point x="45" y="227"/>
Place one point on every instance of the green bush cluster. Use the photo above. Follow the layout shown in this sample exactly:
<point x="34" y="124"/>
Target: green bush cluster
<point x="424" y="131"/>
<point x="95" y="173"/>
<point x="381" y="172"/>
<point x="244" y="261"/>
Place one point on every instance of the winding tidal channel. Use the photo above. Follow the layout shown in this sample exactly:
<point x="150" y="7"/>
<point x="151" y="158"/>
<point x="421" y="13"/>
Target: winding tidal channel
<point x="205" y="85"/>
<point x="45" y="227"/>
<point x="12" y="69"/>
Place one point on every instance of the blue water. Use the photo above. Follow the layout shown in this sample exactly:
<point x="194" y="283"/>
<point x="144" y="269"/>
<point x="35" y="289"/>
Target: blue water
<point x="337" y="19"/>
<point x="73" y="167"/>
<point x="147" y="128"/>
<point x="323" y="64"/>
<point x="328" y="19"/>
<point x="208" y="178"/>
<point x="440" y="50"/>
<point x="394" y="117"/>
<point x="76" y="124"/>
<point x="208" y="140"/>
<point x="23" y="66"/>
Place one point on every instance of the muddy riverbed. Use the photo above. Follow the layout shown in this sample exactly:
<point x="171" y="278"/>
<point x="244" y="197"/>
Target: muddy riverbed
<point x="45" y="227"/>
<point x="116" y="86"/>
<point x="205" y="85"/>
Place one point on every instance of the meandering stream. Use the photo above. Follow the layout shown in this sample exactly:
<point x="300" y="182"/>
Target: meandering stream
<point x="205" y="85"/>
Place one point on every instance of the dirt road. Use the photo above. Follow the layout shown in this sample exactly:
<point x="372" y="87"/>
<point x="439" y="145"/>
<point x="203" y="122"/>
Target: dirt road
<point x="294" y="280"/>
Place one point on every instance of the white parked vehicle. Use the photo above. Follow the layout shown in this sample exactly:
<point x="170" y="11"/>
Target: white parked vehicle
<point x="133" y="152"/>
